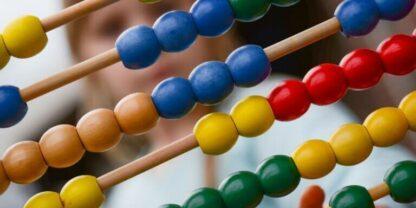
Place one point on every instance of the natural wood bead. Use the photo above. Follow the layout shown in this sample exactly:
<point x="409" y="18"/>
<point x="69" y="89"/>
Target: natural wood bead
<point x="136" y="113"/>
<point x="24" y="163"/>
<point x="4" y="180"/>
<point x="61" y="146"/>
<point x="99" y="130"/>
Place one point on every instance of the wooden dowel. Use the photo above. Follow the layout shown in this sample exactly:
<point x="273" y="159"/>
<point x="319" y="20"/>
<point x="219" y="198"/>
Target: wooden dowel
<point x="147" y="162"/>
<point x="379" y="191"/>
<point x="75" y="72"/>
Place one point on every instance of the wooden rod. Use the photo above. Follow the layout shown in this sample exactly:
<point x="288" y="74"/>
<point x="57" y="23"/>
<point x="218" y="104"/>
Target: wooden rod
<point x="74" y="12"/>
<point x="379" y="191"/>
<point x="147" y="162"/>
<point x="73" y="73"/>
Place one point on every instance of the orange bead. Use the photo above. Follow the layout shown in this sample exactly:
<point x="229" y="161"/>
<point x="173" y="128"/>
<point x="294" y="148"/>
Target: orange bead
<point x="99" y="130"/>
<point x="4" y="180"/>
<point x="61" y="146"/>
<point x="136" y="113"/>
<point x="24" y="163"/>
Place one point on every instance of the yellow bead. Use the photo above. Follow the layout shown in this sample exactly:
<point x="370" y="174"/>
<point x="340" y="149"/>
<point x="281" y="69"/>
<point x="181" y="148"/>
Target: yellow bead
<point x="4" y="54"/>
<point x="387" y="126"/>
<point x="314" y="159"/>
<point x="45" y="199"/>
<point x="408" y="106"/>
<point x="82" y="192"/>
<point x="216" y="133"/>
<point x="25" y="37"/>
<point x="252" y="116"/>
<point x="351" y="144"/>
<point x="149" y="1"/>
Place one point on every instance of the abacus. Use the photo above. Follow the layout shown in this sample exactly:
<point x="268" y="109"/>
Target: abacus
<point x="209" y="83"/>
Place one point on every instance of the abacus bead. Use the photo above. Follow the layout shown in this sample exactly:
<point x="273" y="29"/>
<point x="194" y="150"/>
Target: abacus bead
<point x="357" y="17"/>
<point x="45" y="199"/>
<point x="252" y="116"/>
<point x="248" y="10"/>
<point x="205" y="198"/>
<point x="149" y="1"/>
<point x="170" y="206"/>
<point x="61" y="146"/>
<point x="25" y="37"/>
<point x="4" y="54"/>
<point x="408" y="106"/>
<point x="4" y="179"/>
<point x="362" y="68"/>
<point x="211" y="82"/>
<point x="396" y="10"/>
<point x="99" y="130"/>
<point x="352" y="196"/>
<point x="138" y="47"/>
<point x="216" y="133"/>
<point x="12" y="107"/>
<point x="401" y="180"/>
<point x="278" y="176"/>
<point x="289" y="100"/>
<point x="351" y="144"/>
<point x="136" y="113"/>
<point x="24" y="163"/>
<point x="284" y="3"/>
<point x="249" y="65"/>
<point x="386" y="126"/>
<point x="242" y="189"/>
<point x="397" y="53"/>
<point x="174" y="97"/>
<point x="82" y="192"/>
<point x="176" y="31"/>
<point x="314" y="159"/>
<point x="212" y="17"/>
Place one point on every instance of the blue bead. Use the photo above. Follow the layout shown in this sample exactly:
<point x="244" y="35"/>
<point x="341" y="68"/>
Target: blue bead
<point x="174" y="98"/>
<point x="12" y="107"/>
<point x="138" y="47"/>
<point x="176" y="31"/>
<point x="211" y="82"/>
<point x="249" y="65"/>
<point x="394" y="9"/>
<point x="357" y="17"/>
<point x="212" y="17"/>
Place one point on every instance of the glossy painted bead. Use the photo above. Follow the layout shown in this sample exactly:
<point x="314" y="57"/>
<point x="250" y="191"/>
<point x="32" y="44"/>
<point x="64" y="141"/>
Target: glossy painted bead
<point x="285" y="3"/>
<point x="248" y="10"/>
<point x="408" y="106"/>
<point x="25" y="37"/>
<point x="357" y="17"/>
<point x="176" y="31"/>
<point x="216" y="133"/>
<point x="314" y="159"/>
<point x="386" y="126"/>
<point x="211" y="82"/>
<point x="174" y="98"/>
<point x="394" y="10"/>
<point x="252" y="116"/>
<point x="4" y="54"/>
<point x="138" y="47"/>
<point x="99" y="130"/>
<point x="249" y="65"/>
<point x="170" y="206"/>
<point x="136" y="113"/>
<point x="45" y="199"/>
<point x="205" y="198"/>
<point x="212" y="17"/>
<point x="397" y="53"/>
<point x="352" y="196"/>
<point x="24" y="163"/>
<point x="362" y="68"/>
<point x="401" y="180"/>
<point x="12" y="107"/>
<point x="289" y="100"/>
<point x="61" y="146"/>
<point x="82" y="192"/>
<point x="278" y="176"/>
<point x="4" y="179"/>
<point x="351" y="144"/>
<point x="242" y="189"/>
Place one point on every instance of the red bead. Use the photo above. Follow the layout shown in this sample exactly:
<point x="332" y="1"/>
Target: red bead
<point x="289" y="100"/>
<point x="398" y="54"/>
<point x="363" y="68"/>
<point x="326" y="84"/>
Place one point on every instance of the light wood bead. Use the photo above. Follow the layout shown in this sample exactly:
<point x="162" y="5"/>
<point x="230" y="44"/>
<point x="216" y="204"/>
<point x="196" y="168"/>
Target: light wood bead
<point x="4" y="180"/>
<point x="99" y="130"/>
<point x="61" y="146"/>
<point x="24" y="163"/>
<point x="136" y="113"/>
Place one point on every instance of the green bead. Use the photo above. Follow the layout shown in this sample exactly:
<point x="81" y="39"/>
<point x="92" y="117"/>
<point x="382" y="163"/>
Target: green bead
<point x="352" y="197"/>
<point x="401" y="179"/>
<point x="241" y="190"/>
<point x="204" y="198"/>
<point x="170" y="206"/>
<point x="149" y="1"/>
<point x="250" y="10"/>
<point x="278" y="176"/>
<point x="285" y="3"/>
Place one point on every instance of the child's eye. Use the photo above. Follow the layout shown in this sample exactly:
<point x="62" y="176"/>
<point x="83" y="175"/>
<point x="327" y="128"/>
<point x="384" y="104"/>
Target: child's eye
<point x="112" y="27"/>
